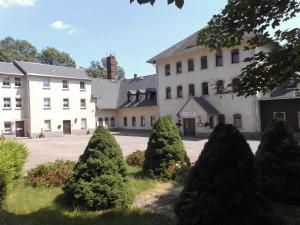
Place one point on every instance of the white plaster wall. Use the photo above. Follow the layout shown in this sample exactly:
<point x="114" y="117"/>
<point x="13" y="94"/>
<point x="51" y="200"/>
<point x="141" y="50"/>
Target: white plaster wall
<point x="57" y="114"/>
<point x="13" y="92"/>
<point x="226" y="104"/>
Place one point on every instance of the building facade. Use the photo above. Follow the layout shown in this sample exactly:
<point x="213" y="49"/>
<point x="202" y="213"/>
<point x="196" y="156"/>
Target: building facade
<point x="38" y="99"/>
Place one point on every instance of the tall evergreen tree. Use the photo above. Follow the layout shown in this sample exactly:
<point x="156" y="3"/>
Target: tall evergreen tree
<point x="223" y="187"/>
<point x="99" y="180"/>
<point x="278" y="159"/>
<point x="165" y="151"/>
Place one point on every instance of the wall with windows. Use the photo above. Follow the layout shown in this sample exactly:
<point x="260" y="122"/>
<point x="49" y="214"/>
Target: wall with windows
<point x="12" y="103"/>
<point x="107" y="118"/>
<point x="58" y="99"/>
<point x="207" y="67"/>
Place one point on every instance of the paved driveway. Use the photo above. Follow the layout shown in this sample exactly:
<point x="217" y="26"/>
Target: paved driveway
<point x="71" y="147"/>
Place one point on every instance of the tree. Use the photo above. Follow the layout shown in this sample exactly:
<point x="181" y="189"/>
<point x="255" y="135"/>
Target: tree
<point x="3" y="187"/>
<point x="165" y="151"/>
<point x="178" y="3"/>
<point x="52" y="56"/>
<point x="11" y="49"/>
<point x="223" y="186"/>
<point x="99" y="179"/>
<point x="278" y="159"/>
<point x="98" y="69"/>
<point x="265" y="70"/>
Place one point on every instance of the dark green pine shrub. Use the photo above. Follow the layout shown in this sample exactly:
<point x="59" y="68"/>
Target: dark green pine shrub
<point x="165" y="151"/>
<point x="278" y="160"/>
<point x="223" y="188"/>
<point x="99" y="179"/>
<point x="3" y="186"/>
<point x="136" y="158"/>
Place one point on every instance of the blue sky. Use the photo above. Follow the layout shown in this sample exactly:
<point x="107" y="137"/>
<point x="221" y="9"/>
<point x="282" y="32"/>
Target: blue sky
<point x="91" y="29"/>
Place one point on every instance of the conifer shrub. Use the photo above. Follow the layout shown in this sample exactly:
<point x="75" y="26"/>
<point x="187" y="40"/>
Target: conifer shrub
<point x="278" y="160"/>
<point x="3" y="186"/>
<point x="222" y="187"/>
<point x="136" y="158"/>
<point x="99" y="179"/>
<point x="165" y="151"/>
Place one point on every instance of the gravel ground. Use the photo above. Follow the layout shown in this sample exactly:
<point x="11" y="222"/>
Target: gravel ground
<point x="71" y="147"/>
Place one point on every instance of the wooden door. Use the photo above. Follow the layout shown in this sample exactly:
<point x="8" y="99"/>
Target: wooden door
<point x="20" y="129"/>
<point x="67" y="126"/>
<point x="189" y="127"/>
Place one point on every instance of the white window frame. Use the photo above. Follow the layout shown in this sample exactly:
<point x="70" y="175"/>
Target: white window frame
<point x="48" y="128"/>
<point x="18" y="82"/>
<point x="7" y="131"/>
<point x="82" y="89"/>
<point x="46" y="81"/>
<point x="47" y="106"/>
<point x="284" y="115"/>
<point x="63" y="85"/>
<point x="83" y="124"/>
<point x="6" y="103"/>
<point x="152" y="120"/>
<point x="66" y="103"/>
<point x="81" y="105"/>
<point x="19" y="103"/>
<point x="6" y="81"/>
<point x="241" y="123"/>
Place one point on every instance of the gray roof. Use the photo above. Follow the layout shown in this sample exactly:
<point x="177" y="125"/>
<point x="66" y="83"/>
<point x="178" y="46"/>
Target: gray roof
<point x="112" y="94"/>
<point x="183" y="46"/>
<point x="9" y="68"/>
<point x="37" y="69"/>
<point x="210" y="109"/>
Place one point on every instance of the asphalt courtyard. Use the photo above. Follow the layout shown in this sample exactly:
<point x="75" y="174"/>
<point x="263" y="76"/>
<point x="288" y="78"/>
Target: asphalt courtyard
<point x="71" y="147"/>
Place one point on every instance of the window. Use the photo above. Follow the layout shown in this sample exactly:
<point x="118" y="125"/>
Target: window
<point x="106" y="122"/>
<point x="219" y="59"/>
<point x="82" y="103"/>
<point x="100" y="121"/>
<point x="211" y="122"/>
<point x="204" y="88"/>
<point x="66" y="103"/>
<point x="6" y="103"/>
<point x="235" y="83"/>
<point x="133" y="121"/>
<point x="168" y="93"/>
<point x="83" y="123"/>
<point x="46" y="83"/>
<point x="179" y="67"/>
<point x="82" y="86"/>
<point x="204" y="62"/>
<point x="18" y="103"/>
<point x="279" y="115"/>
<point x="221" y="118"/>
<point x="125" y="121"/>
<point x="7" y="127"/>
<point x="143" y="121"/>
<point x="65" y="84"/>
<point x="235" y="56"/>
<point x="112" y="122"/>
<point x="152" y="120"/>
<point x="191" y="65"/>
<point x="237" y="120"/>
<point x="129" y="98"/>
<point x="6" y="81"/>
<point x="179" y="92"/>
<point x="18" y="82"/>
<point x="167" y="70"/>
<point x="47" y="103"/>
<point x="47" y="125"/>
<point x="191" y="90"/>
<point x="220" y="87"/>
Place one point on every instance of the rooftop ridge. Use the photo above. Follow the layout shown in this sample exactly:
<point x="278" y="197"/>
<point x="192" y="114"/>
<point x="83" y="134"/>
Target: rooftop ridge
<point x="45" y="64"/>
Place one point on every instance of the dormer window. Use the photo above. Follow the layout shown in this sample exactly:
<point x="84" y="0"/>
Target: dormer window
<point x="138" y="97"/>
<point x="129" y="97"/>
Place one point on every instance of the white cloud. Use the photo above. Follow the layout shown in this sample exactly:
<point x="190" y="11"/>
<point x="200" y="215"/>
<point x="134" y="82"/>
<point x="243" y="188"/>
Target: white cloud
<point x="73" y="31"/>
<point x="23" y="3"/>
<point x="59" y="25"/>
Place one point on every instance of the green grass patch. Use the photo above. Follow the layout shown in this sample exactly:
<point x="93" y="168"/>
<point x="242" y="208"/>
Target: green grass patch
<point x="26" y="205"/>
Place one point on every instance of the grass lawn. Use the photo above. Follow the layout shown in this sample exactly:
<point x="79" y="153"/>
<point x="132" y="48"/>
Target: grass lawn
<point x="26" y="205"/>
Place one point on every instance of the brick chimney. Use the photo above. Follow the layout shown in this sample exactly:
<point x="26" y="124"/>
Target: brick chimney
<point x="135" y="76"/>
<point x="111" y="67"/>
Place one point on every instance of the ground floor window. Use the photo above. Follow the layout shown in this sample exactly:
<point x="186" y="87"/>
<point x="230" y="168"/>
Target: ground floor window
<point x="106" y="122"/>
<point x="279" y="115"/>
<point x="152" y="120"/>
<point x="211" y="122"/>
<point x="221" y="118"/>
<point x="100" y="121"/>
<point x="112" y="122"/>
<point x="143" y="121"/>
<point x="47" y="125"/>
<point x="237" y="120"/>
<point x="7" y="127"/>
<point x="133" y="122"/>
<point x="83" y="123"/>
<point x="125" y="121"/>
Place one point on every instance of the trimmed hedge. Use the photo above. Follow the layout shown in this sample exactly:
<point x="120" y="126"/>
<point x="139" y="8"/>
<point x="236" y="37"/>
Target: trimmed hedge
<point x="278" y="159"/>
<point x="13" y="156"/>
<point x="99" y="179"/>
<point x="165" y="151"/>
<point x="223" y="186"/>
<point x="136" y="158"/>
<point x="53" y="174"/>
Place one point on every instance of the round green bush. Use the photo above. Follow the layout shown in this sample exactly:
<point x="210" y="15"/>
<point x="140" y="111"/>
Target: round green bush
<point x="165" y="151"/>
<point x="278" y="159"/>
<point x="136" y="158"/>
<point x="223" y="186"/>
<point x="2" y="188"/>
<point x="99" y="179"/>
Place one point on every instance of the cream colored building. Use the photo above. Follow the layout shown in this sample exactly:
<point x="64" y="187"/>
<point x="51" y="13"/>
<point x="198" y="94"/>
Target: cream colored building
<point x="40" y="99"/>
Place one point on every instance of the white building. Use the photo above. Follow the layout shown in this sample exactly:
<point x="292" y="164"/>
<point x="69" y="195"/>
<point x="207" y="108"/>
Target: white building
<point x="44" y="99"/>
<point x="192" y="88"/>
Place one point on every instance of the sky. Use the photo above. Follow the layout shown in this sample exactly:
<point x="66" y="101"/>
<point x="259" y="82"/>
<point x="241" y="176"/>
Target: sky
<point x="91" y="29"/>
